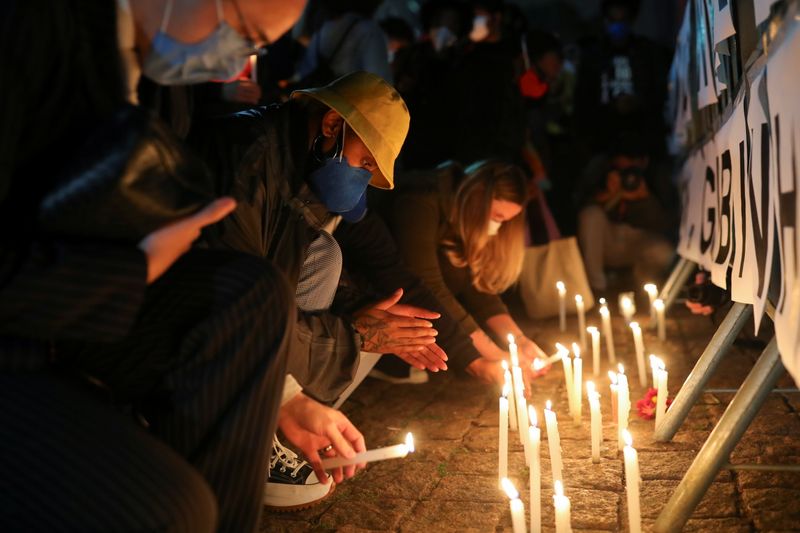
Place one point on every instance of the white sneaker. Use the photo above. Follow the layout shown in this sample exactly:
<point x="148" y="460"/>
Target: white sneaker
<point x="292" y="484"/>
<point x="415" y="376"/>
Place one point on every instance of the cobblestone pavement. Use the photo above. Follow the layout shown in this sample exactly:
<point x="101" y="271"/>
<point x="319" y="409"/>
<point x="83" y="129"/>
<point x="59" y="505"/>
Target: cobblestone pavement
<point x="450" y="483"/>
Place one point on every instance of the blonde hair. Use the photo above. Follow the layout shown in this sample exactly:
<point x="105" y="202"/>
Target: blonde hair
<point x="494" y="262"/>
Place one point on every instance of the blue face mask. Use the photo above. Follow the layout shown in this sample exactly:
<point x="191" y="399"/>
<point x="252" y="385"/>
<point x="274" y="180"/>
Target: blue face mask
<point x="618" y="31"/>
<point x="220" y="56"/>
<point x="339" y="186"/>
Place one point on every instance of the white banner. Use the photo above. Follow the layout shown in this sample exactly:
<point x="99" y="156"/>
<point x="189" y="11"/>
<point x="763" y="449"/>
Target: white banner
<point x="783" y="71"/>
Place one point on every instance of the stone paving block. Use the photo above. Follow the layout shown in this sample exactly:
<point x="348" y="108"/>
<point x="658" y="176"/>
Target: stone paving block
<point x="719" y="501"/>
<point x="748" y="479"/>
<point x="670" y="465"/>
<point x="593" y="509"/>
<point x="707" y="525"/>
<point x="481" y="439"/>
<point x="605" y="476"/>
<point x="773" y="423"/>
<point x="432" y="450"/>
<point x="482" y="463"/>
<point x="381" y="514"/>
<point x="468" y="488"/>
<point x="447" y="516"/>
<point x="401" y="479"/>
<point x="773" y="508"/>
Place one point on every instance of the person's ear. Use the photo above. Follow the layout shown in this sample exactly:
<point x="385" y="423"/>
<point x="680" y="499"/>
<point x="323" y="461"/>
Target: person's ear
<point x="331" y="123"/>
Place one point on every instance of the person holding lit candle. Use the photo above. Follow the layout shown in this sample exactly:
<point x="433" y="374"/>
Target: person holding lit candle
<point x="464" y="239"/>
<point x="398" y="451"/>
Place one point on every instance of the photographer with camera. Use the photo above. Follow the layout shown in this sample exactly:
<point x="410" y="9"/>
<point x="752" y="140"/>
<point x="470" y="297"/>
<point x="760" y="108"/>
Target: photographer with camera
<point x="621" y="223"/>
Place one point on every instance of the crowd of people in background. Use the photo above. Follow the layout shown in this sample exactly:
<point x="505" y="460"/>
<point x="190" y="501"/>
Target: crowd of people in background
<point x="201" y="252"/>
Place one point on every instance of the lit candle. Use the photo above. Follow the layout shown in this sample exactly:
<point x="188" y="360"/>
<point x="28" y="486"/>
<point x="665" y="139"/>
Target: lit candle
<point x="614" y="395"/>
<point x="397" y="451"/>
<point x="654" y="368"/>
<point x="562" y="506"/>
<point x="638" y="343"/>
<point x="596" y="418"/>
<point x="562" y="305"/>
<point x="553" y="442"/>
<point x="253" y="65"/>
<point x="510" y="392"/>
<point x="626" y="306"/>
<point x="652" y="294"/>
<point x="658" y="305"/>
<point x="577" y="394"/>
<point x="623" y="405"/>
<point x="632" y="480"/>
<point x="503" y="447"/>
<point x="512" y="350"/>
<point x="517" y="509"/>
<point x="595" y="333"/>
<point x="661" y="399"/>
<point x="581" y="320"/>
<point x="568" y="379"/>
<point x="607" y="333"/>
<point x="538" y="364"/>
<point x="535" y="473"/>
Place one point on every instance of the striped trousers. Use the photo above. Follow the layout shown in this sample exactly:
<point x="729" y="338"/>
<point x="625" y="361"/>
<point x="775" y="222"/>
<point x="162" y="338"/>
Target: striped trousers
<point x="204" y="366"/>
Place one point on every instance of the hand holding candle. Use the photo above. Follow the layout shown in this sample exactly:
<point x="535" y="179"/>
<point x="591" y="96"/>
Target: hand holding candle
<point x="379" y="454"/>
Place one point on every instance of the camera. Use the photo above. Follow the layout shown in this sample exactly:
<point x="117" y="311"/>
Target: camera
<point x="632" y="178"/>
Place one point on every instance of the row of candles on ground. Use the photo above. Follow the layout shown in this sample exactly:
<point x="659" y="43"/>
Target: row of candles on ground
<point x="626" y="306"/>
<point x="516" y="414"/>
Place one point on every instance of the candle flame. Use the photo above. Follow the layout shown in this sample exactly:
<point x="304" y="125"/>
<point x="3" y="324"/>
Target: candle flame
<point x="590" y="388"/>
<point x="561" y="349"/>
<point x="410" y="442"/>
<point x="576" y="350"/>
<point x="538" y="364"/>
<point x="626" y="436"/>
<point x="602" y="301"/>
<point x="504" y="364"/>
<point x="548" y="405"/>
<point x="659" y="304"/>
<point x="650" y="288"/>
<point x="635" y="326"/>
<point x="560" y="286"/>
<point x="578" y="299"/>
<point x="559" y="487"/>
<point x="510" y="338"/>
<point x="613" y="377"/>
<point x="592" y="330"/>
<point x="621" y="368"/>
<point x="509" y="488"/>
<point x="532" y="415"/>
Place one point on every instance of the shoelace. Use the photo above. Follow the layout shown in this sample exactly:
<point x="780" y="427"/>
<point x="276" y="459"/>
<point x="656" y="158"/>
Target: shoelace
<point x="287" y="458"/>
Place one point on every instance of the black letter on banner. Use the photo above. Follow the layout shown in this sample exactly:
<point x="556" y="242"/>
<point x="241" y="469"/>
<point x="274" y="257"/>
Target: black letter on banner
<point x="724" y="229"/>
<point x="743" y="203"/>
<point x="711" y="217"/>
<point x="759" y="220"/>
<point x="787" y="206"/>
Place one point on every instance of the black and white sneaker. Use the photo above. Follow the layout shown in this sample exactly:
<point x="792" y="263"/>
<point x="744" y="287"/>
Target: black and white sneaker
<point x="292" y="484"/>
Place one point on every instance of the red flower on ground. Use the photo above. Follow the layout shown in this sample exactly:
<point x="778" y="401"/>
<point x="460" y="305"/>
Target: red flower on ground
<point x="646" y="407"/>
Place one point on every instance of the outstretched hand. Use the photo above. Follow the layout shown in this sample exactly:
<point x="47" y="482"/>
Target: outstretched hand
<point x="389" y="327"/>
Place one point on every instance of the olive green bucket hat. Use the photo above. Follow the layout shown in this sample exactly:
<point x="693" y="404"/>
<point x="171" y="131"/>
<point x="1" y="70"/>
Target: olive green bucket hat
<point x="375" y="111"/>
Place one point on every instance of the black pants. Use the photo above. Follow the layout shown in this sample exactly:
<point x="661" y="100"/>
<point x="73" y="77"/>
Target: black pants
<point x="204" y="366"/>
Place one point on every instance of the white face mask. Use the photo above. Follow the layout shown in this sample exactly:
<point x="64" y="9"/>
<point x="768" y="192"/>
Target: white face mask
<point x="494" y="227"/>
<point x="480" y="28"/>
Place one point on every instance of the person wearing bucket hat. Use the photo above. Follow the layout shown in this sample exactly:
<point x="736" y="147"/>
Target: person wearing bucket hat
<point x="296" y="170"/>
